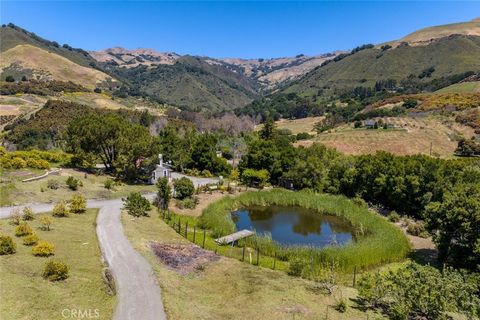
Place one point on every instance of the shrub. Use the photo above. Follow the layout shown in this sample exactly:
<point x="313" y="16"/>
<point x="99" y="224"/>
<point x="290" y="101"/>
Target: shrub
<point x="417" y="229"/>
<point x="163" y="194"/>
<point x="341" y="306"/>
<point x="187" y="203"/>
<point x="18" y="163"/>
<point x="360" y="202"/>
<point x="296" y="268"/>
<point x="55" y="270"/>
<point x="255" y="178"/>
<point x="60" y="210"/>
<point x="23" y="229"/>
<point x="420" y="292"/>
<point x="73" y="183"/>
<point x="16" y="217"/>
<point x="43" y="249"/>
<point x="183" y="188"/>
<point x="109" y="184"/>
<point x="136" y="204"/>
<point x="77" y="204"/>
<point x="7" y="246"/>
<point x="393" y="216"/>
<point x="46" y="222"/>
<point x="27" y="214"/>
<point x="30" y="240"/>
<point x="53" y="184"/>
<point x="303" y="136"/>
<point x="206" y="173"/>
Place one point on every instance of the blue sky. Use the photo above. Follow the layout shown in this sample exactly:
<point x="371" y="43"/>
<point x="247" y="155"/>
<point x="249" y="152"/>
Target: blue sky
<point x="231" y="29"/>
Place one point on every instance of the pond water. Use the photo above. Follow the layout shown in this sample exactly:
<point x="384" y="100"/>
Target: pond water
<point x="294" y="226"/>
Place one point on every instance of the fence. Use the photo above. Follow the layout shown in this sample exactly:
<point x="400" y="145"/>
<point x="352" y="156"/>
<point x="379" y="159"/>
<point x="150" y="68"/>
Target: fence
<point x="186" y="227"/>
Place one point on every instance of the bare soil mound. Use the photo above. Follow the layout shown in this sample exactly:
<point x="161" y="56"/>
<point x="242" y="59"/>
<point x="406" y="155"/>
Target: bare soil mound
<point x="182" y="258"/>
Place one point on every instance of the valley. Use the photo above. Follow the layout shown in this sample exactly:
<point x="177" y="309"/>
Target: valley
<point x="351" y="177"/>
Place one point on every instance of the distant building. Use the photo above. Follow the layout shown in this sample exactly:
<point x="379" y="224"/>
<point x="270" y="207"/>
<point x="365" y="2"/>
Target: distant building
<point x="161" y="170"/>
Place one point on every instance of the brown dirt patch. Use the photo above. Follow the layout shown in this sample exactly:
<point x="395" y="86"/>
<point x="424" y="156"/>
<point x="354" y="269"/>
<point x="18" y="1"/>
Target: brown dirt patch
<point x="183" y="258"/>
<point x="204" y="200"/>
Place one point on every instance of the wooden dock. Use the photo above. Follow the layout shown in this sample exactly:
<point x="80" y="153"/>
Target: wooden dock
<point x="235" y="237"/>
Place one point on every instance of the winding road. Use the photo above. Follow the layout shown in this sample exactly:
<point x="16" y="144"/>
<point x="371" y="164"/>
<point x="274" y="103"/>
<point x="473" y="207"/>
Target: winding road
<point x="139" y="296"/>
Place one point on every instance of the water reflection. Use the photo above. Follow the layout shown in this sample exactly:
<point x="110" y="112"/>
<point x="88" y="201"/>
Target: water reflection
<point x="294" y="225"/>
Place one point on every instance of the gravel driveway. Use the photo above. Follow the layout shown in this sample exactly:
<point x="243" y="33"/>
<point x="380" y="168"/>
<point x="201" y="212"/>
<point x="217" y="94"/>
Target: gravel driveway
<point x="138" y="292"/>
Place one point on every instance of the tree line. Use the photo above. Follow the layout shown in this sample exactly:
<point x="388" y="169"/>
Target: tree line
<point x="444" y="193"/>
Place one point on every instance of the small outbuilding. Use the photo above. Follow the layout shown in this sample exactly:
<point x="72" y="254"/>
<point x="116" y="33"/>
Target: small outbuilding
<point x="161" y="170"/>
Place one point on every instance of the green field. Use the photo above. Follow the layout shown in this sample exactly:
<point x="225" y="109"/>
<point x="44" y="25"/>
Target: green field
<point x="26" y="295"/>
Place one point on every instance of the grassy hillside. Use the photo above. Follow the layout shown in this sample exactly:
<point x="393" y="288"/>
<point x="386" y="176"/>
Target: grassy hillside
<point x="427" y="34"/>
<point x="463" y="87"/>
<point x="412" y="137"/>
<point x="448" y="56"/>
<point x="13" y="36"/>
<point x="42" y="64"/>
<point x="190" y="83"/>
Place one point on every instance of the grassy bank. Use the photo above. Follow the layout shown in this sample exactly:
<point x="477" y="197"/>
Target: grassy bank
<point x="230" y="289"/>
<point x="378" y="241"/>
<point x="26" y="295"/>
<point x="14" y="192"/>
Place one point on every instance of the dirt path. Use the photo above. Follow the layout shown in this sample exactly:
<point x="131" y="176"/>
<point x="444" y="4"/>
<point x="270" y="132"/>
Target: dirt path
<point x="139" y="295"/>
<point x="424" y="248"/>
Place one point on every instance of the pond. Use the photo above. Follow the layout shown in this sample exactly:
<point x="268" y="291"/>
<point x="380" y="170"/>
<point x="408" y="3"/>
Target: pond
<point x="294" y="226"/>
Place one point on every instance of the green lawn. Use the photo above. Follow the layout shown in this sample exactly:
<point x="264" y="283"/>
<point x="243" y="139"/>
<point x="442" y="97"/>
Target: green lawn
<point x="26" y="295"/>
<point x="14" y="191"/>
<point x="230" y="289"/>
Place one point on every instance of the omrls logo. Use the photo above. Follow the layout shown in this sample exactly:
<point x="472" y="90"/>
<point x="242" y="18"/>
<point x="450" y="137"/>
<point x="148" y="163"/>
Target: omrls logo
<point x="81" y="313"/>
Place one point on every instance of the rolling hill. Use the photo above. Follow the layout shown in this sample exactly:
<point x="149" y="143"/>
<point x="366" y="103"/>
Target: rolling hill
<point x="447" y="56"/>
<point x="37" y="63"/>
<point x="426" y="35"/>
<point x="13" y="36"/>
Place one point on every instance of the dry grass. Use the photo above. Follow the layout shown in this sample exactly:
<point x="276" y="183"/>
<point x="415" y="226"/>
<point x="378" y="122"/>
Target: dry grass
<point x="204" y="200"/>
<point x="14" y="191"/>
<point x="26" y="295"/>
<point x="50" y="65"/>
<point x="297" y="125"/>
<point x="414" y="137"/>
<point x="230" y="289"/>
<point x="464" y="87"/>
<point x="426" y="34"/>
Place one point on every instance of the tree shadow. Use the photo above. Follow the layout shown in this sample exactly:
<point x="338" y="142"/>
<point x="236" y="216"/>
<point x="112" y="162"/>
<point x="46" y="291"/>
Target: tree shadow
<point x="425" y="256"/>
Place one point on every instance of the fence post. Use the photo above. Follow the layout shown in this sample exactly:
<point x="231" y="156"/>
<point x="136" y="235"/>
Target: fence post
<point x="204" y="236"/>
<point x="258" y="255"/>
<point x="186" y="230"/>
<point x="354" y="275"/>
<point x="274" y="260"/>
<point x="179" y="224"/>
<point x="194" y="232"/>
<point x="243" y="253"/>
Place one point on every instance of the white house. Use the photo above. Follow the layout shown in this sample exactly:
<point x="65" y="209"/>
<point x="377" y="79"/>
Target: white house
<point x="161" y="170"/>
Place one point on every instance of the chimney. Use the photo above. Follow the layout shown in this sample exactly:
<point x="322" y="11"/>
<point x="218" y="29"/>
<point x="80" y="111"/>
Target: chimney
<point x="160" y="157"/>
